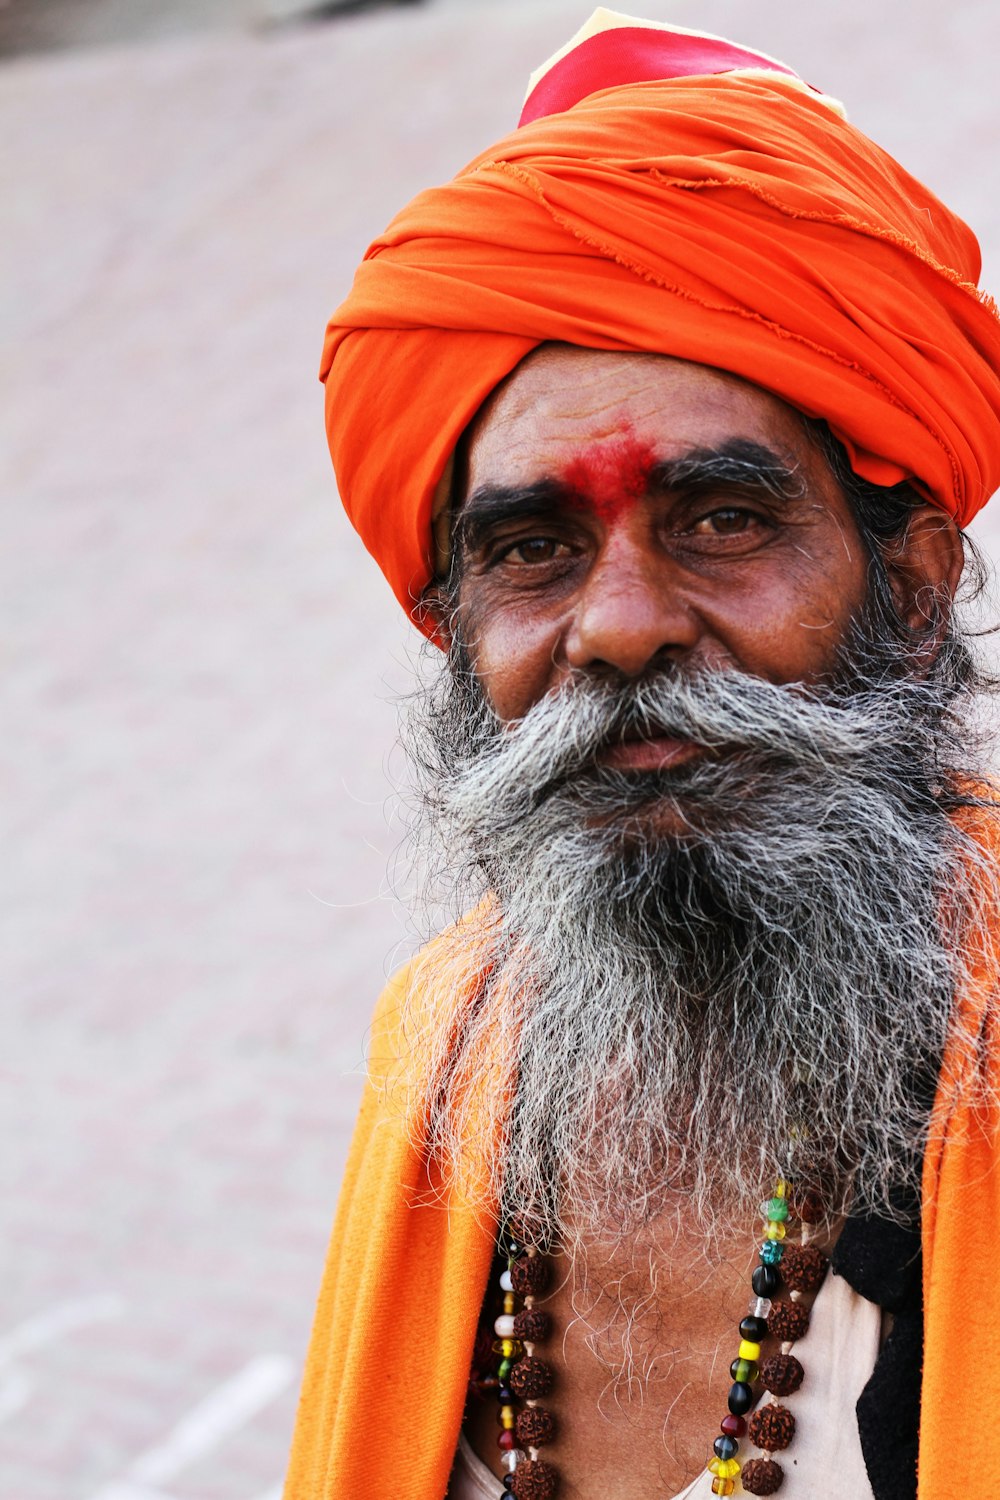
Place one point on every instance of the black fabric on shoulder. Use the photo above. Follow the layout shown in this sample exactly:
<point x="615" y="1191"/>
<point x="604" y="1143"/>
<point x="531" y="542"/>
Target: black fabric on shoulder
<point x="882" y="1261"/>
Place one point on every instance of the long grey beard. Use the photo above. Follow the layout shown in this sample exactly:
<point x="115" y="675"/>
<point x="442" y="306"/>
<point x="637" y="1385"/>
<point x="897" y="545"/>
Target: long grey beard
<point x="689" y="969"/>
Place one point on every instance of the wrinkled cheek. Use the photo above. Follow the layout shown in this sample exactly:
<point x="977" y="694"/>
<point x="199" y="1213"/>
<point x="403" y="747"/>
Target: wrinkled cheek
<point x="513" y="657"/>
<point x="805" y="644"/>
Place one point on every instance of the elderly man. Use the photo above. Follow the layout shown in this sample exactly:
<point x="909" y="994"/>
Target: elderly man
<point x="662" y="420"/>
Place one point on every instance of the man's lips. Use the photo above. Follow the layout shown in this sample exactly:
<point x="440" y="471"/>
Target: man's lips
<point x="658" y="754"/>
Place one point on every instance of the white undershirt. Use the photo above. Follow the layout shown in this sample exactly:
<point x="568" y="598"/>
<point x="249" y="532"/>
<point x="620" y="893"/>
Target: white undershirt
<point x="824" y="1460"/>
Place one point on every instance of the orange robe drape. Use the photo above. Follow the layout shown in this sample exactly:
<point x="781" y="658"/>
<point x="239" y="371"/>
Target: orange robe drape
<point x="388" y="1366"/>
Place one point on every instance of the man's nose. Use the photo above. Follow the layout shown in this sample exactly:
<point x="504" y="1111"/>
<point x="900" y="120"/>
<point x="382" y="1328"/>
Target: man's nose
<point x="631" y="609"/>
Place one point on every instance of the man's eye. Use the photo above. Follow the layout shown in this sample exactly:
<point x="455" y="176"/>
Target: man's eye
<point x="534" y="549"/>
<point x="730" y="521"/>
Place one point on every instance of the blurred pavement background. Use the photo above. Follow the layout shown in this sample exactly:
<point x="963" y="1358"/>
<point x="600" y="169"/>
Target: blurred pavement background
<point x="199" y="660"/>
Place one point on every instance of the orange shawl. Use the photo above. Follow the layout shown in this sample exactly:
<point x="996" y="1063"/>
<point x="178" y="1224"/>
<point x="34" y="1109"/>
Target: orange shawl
<point x="386" y="1374"/>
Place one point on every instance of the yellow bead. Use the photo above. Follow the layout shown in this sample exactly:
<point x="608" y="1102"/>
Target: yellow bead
<point x="509" y="1303"/>
<point x="507" y="1422"/>
<point x="748" y="1350"/>
<point x="724" y="1468"/>
<point x="782" y="1188"/>
<point x="509" y="1348"/>
<point x="775" y="1230"/>
<point x="723" y="1487"/>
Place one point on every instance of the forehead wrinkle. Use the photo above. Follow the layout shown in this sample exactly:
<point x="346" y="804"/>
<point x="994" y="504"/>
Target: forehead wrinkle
<point x="594" y="394"/>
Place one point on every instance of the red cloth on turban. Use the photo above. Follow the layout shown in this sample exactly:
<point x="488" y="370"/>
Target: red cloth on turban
<point x="735" y="220"/>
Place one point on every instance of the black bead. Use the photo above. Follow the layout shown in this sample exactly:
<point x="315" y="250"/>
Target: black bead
<point x="740" y="1398"/>
<point x="765" y="1281"/>
<point x="754" y="1329"/>
<point x="725" y="1447"/>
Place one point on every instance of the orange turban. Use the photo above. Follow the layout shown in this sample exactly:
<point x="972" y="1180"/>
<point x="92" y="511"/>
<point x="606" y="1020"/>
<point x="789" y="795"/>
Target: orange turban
<point x="667" y="192"/>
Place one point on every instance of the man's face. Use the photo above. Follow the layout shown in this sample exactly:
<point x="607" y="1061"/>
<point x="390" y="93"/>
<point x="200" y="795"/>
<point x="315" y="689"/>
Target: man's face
<point x="627" y="511"/>
<point x="700" y="775"/>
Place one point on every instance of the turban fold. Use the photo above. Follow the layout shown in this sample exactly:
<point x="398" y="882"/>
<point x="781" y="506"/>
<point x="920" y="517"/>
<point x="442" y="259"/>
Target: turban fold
<point x="727" y="215"/>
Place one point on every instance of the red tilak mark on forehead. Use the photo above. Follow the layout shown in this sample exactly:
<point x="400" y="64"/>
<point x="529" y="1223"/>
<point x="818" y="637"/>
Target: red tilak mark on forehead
<point x="609" y="476"/>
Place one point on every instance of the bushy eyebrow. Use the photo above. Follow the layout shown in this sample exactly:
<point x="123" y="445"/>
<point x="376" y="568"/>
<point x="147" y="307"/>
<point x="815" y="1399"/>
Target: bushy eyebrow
<point x="738" y="464"/>
<point x="751" y="468"/>
<point x="492" y="504"/>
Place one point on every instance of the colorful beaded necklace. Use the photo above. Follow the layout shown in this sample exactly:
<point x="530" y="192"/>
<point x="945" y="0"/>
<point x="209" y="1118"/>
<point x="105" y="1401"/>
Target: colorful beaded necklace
<point x="522" y="1380"/>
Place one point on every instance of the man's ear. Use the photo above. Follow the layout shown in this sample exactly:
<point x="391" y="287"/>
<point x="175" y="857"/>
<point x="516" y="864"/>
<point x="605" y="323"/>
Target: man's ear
<point x="433" y="615"/>
<point x="924" y="568"/>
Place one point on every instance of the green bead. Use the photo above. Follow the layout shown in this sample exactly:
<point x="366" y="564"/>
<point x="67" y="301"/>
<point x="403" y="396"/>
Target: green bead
<point x="744" y="1370"/>
<point x="504" y="1368"/>
<point x="771" y="1252"/>
<point x="776" y="1208"/>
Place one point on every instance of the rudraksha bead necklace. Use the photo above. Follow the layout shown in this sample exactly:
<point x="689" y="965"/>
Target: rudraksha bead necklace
<point x="770" y="1428"/>
<point x="523" y="1380"/>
